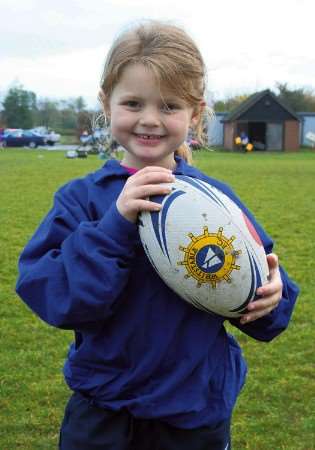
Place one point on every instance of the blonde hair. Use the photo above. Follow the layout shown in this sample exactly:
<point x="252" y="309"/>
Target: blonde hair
<point x="173" y="58"/>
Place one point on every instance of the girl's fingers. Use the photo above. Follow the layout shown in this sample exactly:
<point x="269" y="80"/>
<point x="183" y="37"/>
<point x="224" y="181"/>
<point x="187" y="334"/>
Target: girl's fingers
<point x="271" y="293"/>
<point x="275" y="285"/>
<point x="152" y="181"/>
<point x="148" y="190"/>
<point x="153" y="169"/>
<point x="150" y="173"/>
<point x="149" y="181"/>
<point x="273" y="261"/>
<point x="263" y="304"/>
<point x="137" y="200"/>
<point x="247" y="318"/>
<point x="145" y="205"/>
<point x="154" y="177"/>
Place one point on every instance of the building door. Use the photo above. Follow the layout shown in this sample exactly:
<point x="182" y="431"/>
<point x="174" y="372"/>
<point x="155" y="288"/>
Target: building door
<point x="257" y="135"/>
<point x="274" y="136"/>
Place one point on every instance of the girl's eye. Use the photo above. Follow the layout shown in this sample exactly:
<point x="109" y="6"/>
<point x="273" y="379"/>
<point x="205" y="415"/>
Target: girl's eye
<point x="132" y="104"/>
<point x="170" y="107"/>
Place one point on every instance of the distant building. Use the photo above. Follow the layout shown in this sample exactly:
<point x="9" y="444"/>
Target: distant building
<point x="307" y="127"/>
<point x="268" y="123"/>
<point x="215" y="129"/>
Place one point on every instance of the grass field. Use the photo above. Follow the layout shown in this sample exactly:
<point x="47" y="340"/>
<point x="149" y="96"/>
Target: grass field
<point x="276" y="408"/>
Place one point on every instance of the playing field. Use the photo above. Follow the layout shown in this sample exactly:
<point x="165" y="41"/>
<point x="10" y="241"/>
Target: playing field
<point x="276" y="408"/>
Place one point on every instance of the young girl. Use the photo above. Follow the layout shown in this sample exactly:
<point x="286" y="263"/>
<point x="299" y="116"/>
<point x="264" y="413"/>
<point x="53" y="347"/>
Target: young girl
<point x="148" y="370"/>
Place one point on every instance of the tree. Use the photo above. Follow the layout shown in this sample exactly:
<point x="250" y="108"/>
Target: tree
<point x="79" y="104"/>
<point x="67" y="114"/>
<point x="230" y="103"/>
<point x="19" y="108"/>
<point x="84" y="122"/>
<point x="47" y="113"/>
<point x="297" y="99"/>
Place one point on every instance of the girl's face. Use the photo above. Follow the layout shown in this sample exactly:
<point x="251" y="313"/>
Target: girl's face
<point x="150" y="126"/>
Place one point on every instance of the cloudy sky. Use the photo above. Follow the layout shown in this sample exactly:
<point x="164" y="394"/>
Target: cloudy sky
<point x="57" y="48"/>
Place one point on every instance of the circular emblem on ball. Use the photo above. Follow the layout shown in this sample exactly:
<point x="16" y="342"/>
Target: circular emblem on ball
<point x="210" y="257"/>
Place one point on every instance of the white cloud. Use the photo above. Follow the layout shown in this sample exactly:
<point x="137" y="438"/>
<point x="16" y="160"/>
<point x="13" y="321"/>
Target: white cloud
<point x="71" y="74"/>
<point x="57" y="49"/>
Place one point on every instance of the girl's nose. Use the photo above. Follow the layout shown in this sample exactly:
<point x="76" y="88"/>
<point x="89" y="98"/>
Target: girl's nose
<point x="150" y="117"/>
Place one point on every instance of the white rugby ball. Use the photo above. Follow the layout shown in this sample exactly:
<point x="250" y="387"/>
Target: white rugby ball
<point x="204" y="247"/>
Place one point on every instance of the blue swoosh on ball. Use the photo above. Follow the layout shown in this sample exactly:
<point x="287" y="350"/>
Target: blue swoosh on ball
<point x="150" y="258"/>
<point x="155" y="218"/>
<point x="203" y="189"/>
<point x="164" y="212"/>
<point x="256" y="281"/>
<point x="214" y="196"/>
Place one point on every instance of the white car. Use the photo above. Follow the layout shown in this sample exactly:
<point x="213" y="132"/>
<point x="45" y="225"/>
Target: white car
<point x="50" y="136"/>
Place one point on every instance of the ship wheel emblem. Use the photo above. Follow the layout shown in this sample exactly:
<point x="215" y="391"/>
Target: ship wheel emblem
<point x="210" y="257"/>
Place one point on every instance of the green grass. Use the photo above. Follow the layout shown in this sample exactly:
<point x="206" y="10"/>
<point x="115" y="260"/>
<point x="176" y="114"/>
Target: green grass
<point x="69" y="140"/>
<point x="276" y="408"/>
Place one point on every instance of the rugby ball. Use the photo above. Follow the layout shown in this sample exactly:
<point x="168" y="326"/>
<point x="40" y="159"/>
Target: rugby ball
<point x="204" y="247"/>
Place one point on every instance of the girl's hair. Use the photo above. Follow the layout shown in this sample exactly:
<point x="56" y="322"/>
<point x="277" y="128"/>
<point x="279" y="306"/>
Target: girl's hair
<point x="173" y="58"/>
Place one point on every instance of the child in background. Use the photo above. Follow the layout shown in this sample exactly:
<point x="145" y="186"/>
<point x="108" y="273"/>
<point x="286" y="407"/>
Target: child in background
<point x="147" y="369"/>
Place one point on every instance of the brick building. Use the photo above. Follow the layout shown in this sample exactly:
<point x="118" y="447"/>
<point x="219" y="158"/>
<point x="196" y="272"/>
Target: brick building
<point x="268" y="123"/>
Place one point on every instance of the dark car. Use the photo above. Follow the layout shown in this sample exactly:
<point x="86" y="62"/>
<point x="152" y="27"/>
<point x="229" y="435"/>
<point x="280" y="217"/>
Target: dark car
<point x="20" y="138"/>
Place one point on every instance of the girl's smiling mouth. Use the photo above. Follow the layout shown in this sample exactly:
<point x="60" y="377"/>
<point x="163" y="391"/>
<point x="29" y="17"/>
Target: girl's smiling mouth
<point x="148" y="139"/>
<point x="149" y="136"/>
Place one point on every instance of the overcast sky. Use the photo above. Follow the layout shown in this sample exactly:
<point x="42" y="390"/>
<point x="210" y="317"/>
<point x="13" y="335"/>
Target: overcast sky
<point x="57" y="48"/>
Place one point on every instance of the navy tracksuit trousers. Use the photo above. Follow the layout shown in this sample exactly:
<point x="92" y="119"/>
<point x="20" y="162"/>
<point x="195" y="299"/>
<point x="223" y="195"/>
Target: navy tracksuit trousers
<point x="87" y="427"/>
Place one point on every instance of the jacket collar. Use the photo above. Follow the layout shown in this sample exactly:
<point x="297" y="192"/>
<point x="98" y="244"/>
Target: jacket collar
<point x="113" y="168"/>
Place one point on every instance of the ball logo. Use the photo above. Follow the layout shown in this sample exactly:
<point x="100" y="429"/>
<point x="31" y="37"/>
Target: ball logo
<point x="210" y="257"/>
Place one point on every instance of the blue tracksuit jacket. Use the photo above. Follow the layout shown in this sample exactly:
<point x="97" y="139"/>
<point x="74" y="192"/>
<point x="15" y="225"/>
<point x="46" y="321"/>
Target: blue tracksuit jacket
<point x="137" y="344"/>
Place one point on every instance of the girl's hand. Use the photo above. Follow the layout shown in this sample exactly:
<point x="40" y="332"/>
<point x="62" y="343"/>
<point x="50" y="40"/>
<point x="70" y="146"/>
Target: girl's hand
<point x="271" y="293"/>
<point x="140" y="186"/>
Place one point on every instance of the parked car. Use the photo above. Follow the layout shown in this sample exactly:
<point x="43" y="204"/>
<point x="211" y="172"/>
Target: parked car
<point x="50" y="136"/>
<point x="5" y="131"/>
<point x="21" y="138"/>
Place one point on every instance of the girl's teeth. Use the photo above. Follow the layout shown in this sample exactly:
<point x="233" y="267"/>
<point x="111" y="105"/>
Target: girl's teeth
<point x="147" y="136"/>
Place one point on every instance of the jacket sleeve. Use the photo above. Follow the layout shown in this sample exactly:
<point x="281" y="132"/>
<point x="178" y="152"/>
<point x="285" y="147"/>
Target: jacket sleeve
<point x="73" y="269"/>
<point x="269" y="326"/>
